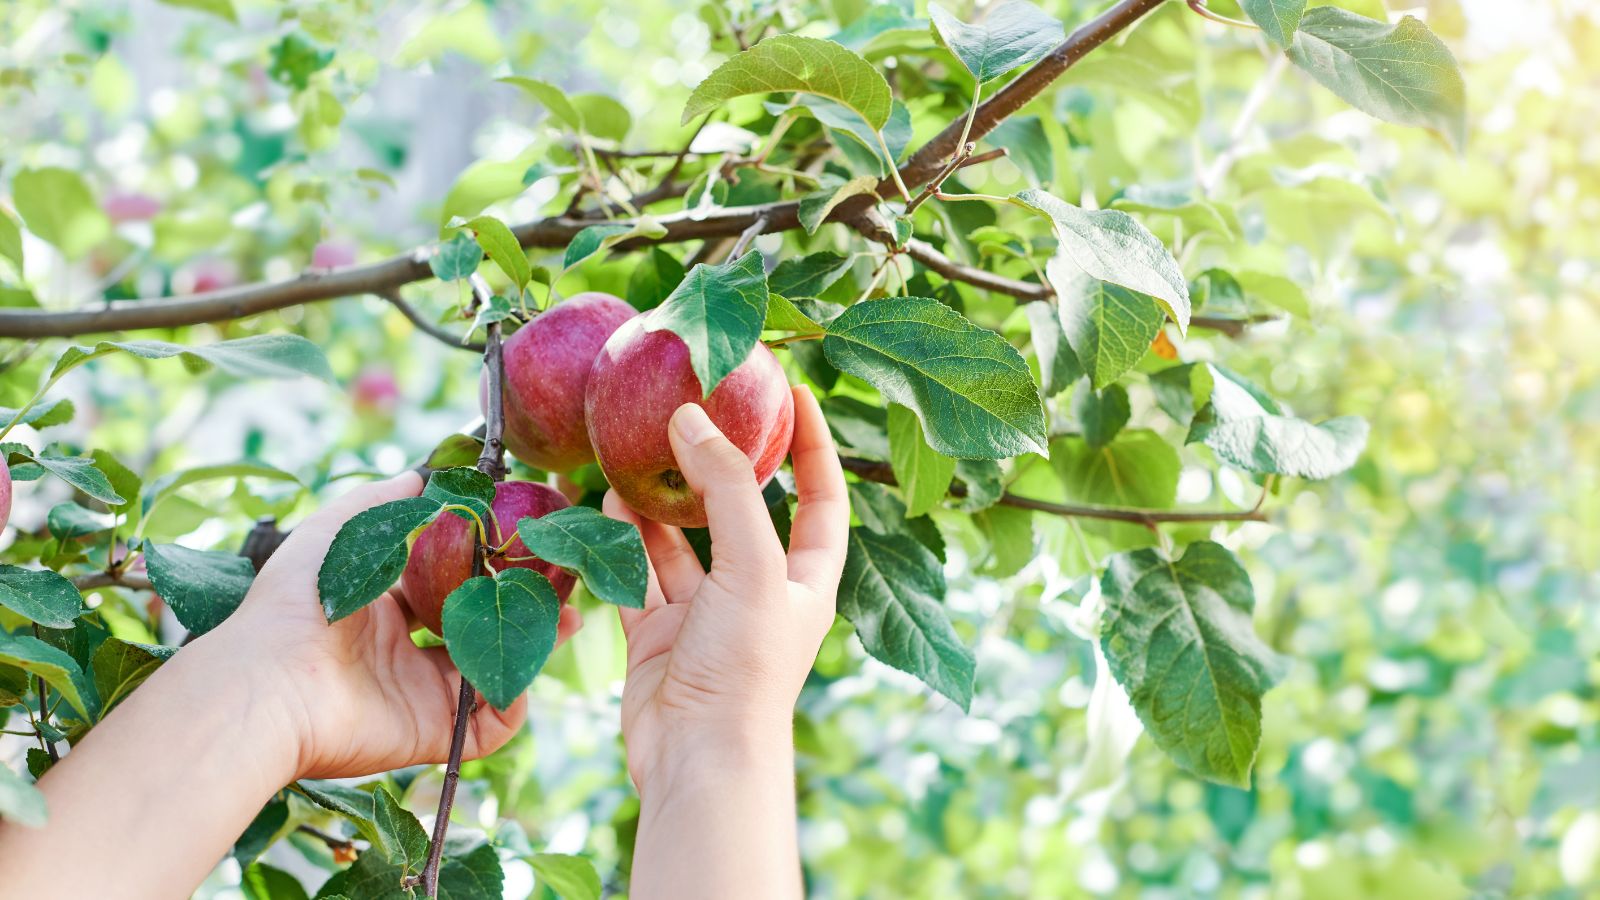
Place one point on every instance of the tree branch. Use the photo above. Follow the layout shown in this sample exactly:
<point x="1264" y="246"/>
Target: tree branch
<point x="426" y="327"/>
<point x="106" y="579"/>
<point x="883" y="473"/>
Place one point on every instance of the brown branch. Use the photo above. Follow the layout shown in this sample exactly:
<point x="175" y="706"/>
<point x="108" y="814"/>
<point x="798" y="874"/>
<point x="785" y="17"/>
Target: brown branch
<point x="343" y="850"/>
<point x="883" y="473"/>
<point x="107" y="579"/>
<point x="426" y="327"/>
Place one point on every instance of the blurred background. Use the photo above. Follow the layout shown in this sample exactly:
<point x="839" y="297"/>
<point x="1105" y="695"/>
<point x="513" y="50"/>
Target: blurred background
<point x="1439" y="731"/>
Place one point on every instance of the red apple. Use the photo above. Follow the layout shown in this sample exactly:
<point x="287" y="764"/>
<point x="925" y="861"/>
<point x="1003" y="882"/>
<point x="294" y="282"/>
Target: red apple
<point x="441" y="559"/>
<point x="639" y="379"/>
<point x="547" y="364"/>
<point x="333" y="254"/>
<point x="375" y="390"/>
<point x="205" y="276"/>
<point x="130" y="206"/>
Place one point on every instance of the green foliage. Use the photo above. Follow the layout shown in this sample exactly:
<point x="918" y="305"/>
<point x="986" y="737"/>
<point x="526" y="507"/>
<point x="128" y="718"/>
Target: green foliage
<point x="501" y="630"/>
<point x="42" y="597"/>
<point x="791" y="63"/>
<point x="607" y="554"/>
<point x="718" y="311"/>
<point x="1012" y="33"/>
<point x="1278" y="18"/>
<point x="203" y="587"/>
<point x="369" y="553"/>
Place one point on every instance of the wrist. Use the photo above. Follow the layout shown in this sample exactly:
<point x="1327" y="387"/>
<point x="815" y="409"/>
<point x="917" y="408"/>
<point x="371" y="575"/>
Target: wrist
<point x="234" y="683"/>
<point x="722" y="752"/>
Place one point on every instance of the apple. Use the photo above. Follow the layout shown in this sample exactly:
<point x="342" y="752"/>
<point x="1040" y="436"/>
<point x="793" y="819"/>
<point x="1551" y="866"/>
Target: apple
<point x="205" y="276"/>
<point x="441" y="559"/>
<point x="130" y="206"/>
<point x="333" y="254"/>
<point x="547" y="365"/>
<point x="640" y="378"/>
<point x="375" y="390"/>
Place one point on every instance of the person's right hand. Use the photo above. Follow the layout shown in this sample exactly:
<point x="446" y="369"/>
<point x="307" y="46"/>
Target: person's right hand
<point x="716" y="659"/>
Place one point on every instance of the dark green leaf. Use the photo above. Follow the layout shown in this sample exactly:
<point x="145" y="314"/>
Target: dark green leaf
<point x="203" y="587"/>
<point x="263" y="882"/>
<point x="1137" y="469"/>
<point x="355" y="805"/>
<point x="570" y="877"/>
<point x="1102" y="414"/>
<point x="1024" y="140"/>
<point x="807" y="276"/>
<point x="56" y="667"/>
<point x="970" y="388"/>
<point x="1108" y="327"/>
<point x="1011" y="33"/>
<point x="1399" y="73"/>
<point x="1179" y="638"/>
<point x="464" y="486"/>
<point x="40" y="596"/>
<point x="880" y="510"/>
<point x="20" y="801"/>
<point x="369" y="553"/>
<point x="498" y="309"/>
<point x="791" y="63"/>
<point x="456" y="258"/>
<point x="120" y="666"/>
<point x="718" y="312"/>
<point x="80" y="472"/>
<point x="983" y="480"/>
<point x="1058" y="365"/>
<point x="1278" y="18"/>
<point x="400" y="834"/>
<point x="923" y="473"/>
<point x="607" y="554"/>
<point x="475" y="875"/>
<point x="259" y="834"/>
<point x="42" y="415"/>
<point x="258" y="356"/>
<point x="893" y="591"/>
<point x="1245" y="428"/>
<point x="501" y="630"/>
<point x="595" y="238"/>
<point x="654" y="279"/>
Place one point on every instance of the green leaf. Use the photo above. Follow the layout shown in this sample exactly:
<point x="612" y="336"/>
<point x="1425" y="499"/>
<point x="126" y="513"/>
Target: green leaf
<point x="220" y="8"/>
<point x="1024" y="140"/>
<point x="654" y="279"/>
<point x="476" y="875"/>
<point x="295" y="59"/>
<point x="203" y="587"/>
<point x="356" y="806"/>
<point x="603" y="116"/>
<point x="120" y="666"/>
<point x="971" y="389"/>
<point x="40" y="596"/>
<point x="67" y="521"/>
<point x="1010" y="537"/>
<point x="400" y="835"/>
<point x="1399" y="73"/>
<point x="455" y="451"/>
<point x="858" y="141"/>
<point x="1102" y="414"/>
<point x="608" y="554"/>
<point x="984" y="482"/>
<point x="923" y="473"/>
<point x="1111" y="246"/>
<point x="42" y="415"/>
<point x="880" y="510"/>
<point x="595" y="238"/>
<point x="1137" y="469"/>
<point x="1011" y="33"/>
<point x="808" y="276"/>
<point x="369" y="553"/>
<point x="1108" y="327"/>
<point x="260" y="881"/>
<point x="1058" y="365"/>
<point x="58" y="207"/>
<point x="465" y="486"/>
<point x="167" y="486"/>
<point x="783" y="315"/>
<point x="56" y="667"/>
<point x="893" y="591"/>
<point x="501" y="630"/>
<point x="790" y="63"/>
<point x="22" y="803"/>
<point x="1276" y="290"/>
<point x="1179" y="638"/>
<point x="1284" y="445"/>
<point x="551" y="98"/>
<point x="122" y="479"/>
<point x="258" y="356"/>
<point x="502" y="247"/>
<point x="815" y="207"/>
<point x="456" y="258"/>
<point x="10" y="240"/>
<point x="718" y="311"/>
<point x="1278" y="18"/>
<point x="570" y="877"/>
<point x="498" y="309"/>
<point x="80" y="472"/>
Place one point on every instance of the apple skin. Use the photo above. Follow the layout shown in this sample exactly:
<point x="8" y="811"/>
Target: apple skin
<point x="375" y="390"/>
<point x="441" y="559"/>
<point x="333" y="254"/>
<point x="130" y="206"/>
<point x="547" y="364"/>
<point x="640" y="378"/>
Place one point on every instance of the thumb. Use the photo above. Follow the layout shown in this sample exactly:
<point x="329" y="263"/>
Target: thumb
<point x="721" y="474"/>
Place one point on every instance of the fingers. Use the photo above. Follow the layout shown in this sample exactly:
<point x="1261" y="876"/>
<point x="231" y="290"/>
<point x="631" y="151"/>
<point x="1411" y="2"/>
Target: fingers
<point x="677" y="567"/>
<point x="821" y="529"/>
<point x="569" y="624"/>
<point x="741" y="527"/>
<point x="346" y="505"/>
<point x="297" y="561"/>
<point x="487" y="730"/>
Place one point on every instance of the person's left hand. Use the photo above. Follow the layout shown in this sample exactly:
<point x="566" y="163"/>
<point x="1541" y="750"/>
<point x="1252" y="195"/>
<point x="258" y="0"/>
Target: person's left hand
<point x="357" y="696"/>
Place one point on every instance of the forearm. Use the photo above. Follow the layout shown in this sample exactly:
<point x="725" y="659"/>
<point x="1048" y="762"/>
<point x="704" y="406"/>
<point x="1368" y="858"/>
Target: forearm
<point x="718" y="820"/>
<point x="161" y="787"/>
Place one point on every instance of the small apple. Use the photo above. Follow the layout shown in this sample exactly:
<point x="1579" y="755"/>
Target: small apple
<point x="375" y="390"/>
<point x="441" y="559"/>
<point x="130" y="206"/>
<point x="547" y="365"/>
<point x="639" y="379"/>
<point x="205" y="276"/>
<point x="333" y="254"/>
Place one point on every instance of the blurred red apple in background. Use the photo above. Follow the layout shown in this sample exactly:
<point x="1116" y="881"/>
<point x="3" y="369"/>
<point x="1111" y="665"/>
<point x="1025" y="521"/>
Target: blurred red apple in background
<point x="130" y="206"/>
<point x="205" y="275"/>
<point x="5" y="493"/>
<point x="441" y="559"/>
<point x="333" y="254"/>
<point x="375" y="390"/>
<point x="639" y="379"/>
<point x="547" y="365"/>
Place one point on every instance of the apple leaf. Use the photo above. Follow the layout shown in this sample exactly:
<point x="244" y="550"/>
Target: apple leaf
<point x="1278" y="18"/>
<point x="40" y="596"/>
<point x="58" y="207"/>
<point x="165" y="487"/>
<point x="815" y="207"/>
<point x="67" y="521"/>
<point x="502" y="246"/>
<point x="881" y="511"/>
<point x="595" y="238"/>
<point x="552" y="98"/>
<point x="400" y="835"/>
<point x="893" y="592"/>
<point x="120" y="666"/>
<point x="1011" y="33"/>
<point x="604" y="116"/>
<point x="1101" y="413"/>
<point x="607" y="554"/>
<point x="923" y="473"/>
<point x="808" y="276"/>
<point x="355" y="805"/>
<point x="222" y="9"/>
<point x="56" y="667"/>
<point x="1178" y="637"/>
<point x="1136" y="469"/>
<point x="258" y="356"/>
<point x="1058" y="365"/>
<point x="501" y="630"/>
<point x="969" y="387"/>
<point x="654" y="278"/>
<point x="456" y="450"/>
<point x="789" y="63"/>
<point x="369" y="553"/>
<point x="203" y="587"/>
<point x="783" y="315"/>
<point x="1110" y="245"/>
<point x="11" y="241"/>
<point x="466" y="486"/>
<point x="41" y="415"/>
<point x="456" y="258"/>
<point x="718" y="312"/>
<point x="20" y="801"/>
<point x="858" y="141"/>
<point x="570" y="877"/>
<point x="81" y="473"/>
<point x="1108" y="327"/>
<point x="1399" y="73"/>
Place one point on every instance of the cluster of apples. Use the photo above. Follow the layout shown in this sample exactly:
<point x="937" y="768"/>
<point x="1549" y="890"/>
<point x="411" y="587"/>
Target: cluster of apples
<point x="591" y="380"/>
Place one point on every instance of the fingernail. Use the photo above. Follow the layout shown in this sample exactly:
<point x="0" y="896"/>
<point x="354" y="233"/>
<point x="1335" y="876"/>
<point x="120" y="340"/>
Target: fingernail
<point x="693" y="425"/>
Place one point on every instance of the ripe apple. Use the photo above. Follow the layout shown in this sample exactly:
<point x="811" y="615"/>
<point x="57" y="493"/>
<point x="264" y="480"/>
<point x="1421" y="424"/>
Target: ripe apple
<point x="333" y="254"/>
<point x="375" y="390"/>
<point x="639" y="379"/>
<point x="441" y="559"/>
<point x="130" y="206"/>
<point x="547" y="364"/>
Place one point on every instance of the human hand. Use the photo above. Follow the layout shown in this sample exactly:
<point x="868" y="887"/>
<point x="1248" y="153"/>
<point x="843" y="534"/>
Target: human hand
<point x="357" y="696"/>
<point x="716" y="659"/>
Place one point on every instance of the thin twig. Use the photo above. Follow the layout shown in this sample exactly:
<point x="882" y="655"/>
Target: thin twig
<point x="933" y="186"/>
<point x="44" y="709"/>
<point x="107" y="579"/>
<point x="745" y="237"/>
<point x="883" y="473"/>
<point x="336" y="844"/>
<point x="426" y="327"/>
<point x="1199" y="6"/>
